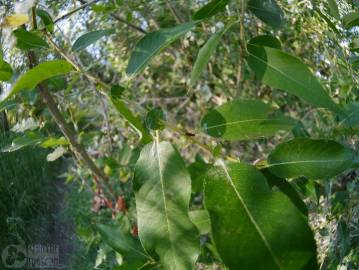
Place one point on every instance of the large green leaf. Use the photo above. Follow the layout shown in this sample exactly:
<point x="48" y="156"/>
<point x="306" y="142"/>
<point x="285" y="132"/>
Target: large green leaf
<point x="133" y="120"/>
<point x="244" y="120"/>
<point x="283" y="71"/>
<point x="5" y="71"/>
<point x="252" y="226"/>
<point x="151" y="44"/>
<point x="268" y="11"/>
<point x="311" y="158"/>
<point x="163" y="190"/>
<point x="28" y="40"/>
<point x="350" y="20"/>
<point x="210" y="9"/>
<point x="34" y="76"/>
<point x="91" y="37"/>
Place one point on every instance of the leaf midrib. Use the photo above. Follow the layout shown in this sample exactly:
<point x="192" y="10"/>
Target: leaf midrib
<point x="256" y="226"/>
<point x="241" y="121"/>
<point x="164" y="201"/>
<point x="307" y="161"/>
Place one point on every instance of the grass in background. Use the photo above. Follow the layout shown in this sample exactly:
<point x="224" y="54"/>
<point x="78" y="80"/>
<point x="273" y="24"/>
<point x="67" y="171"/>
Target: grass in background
<point x="26" y="194"/>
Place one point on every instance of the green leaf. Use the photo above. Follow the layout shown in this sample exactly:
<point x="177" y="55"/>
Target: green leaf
<point x="91" y="37"/>
<point x="285" y="72"/>
<point x="266" y="41"/>
<point x="252" y="226"/>
<point x="285" y="187"/>
<point x="197" y="170"/>
<point x="56" y="154"/>
<point x="134" y="121"/>
<point x="163" y="189"/>
<point x="29" y="138"/>
<point x="354" y="45"/>
<point x="46" y="19"/>
<point x="244" y="120"/>
<point x="333" y="8"/>
<point x="154" y="119"/>
<point x="315" y="159"/>
<point x="204" y="55"/>
<point x="201" y="219"/>
<point x="350" y="20"/>
<point x="33" y="138"/>
<point x="130" y="248"/>
<point x="210" y="9"/>
<point x="36" y="75"/>
<point x="151" y="44"/>
<point x="268" y="11"/>
<point x="328" y="21"/>
<point x="28" y="40"/>
<point x="5" y="71"/>
<point x="53" y="142"/>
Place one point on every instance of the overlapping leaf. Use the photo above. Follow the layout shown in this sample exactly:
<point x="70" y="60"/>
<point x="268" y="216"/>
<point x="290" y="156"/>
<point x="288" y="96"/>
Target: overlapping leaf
<point x="163" y="189"/>
<point x="254" y="227"/>
<point x="268" y="11"/>
<point x="243" y="120"/>
<point x="210" y="9"/>
<point x="350" y="20"/>
<point x="26" y="40"/>
<point x="316" y="159"/>
<point x="133" y="120"/>
<point x="283" y="71"/>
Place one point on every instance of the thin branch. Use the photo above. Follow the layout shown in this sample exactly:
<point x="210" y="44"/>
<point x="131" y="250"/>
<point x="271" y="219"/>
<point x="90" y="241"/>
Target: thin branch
<point x="122" y="20"/>
<point x="78" y="149"/>
<point x="131" y="25"/>
<point x="174" y="12"/>
<point x="64" y="16"/>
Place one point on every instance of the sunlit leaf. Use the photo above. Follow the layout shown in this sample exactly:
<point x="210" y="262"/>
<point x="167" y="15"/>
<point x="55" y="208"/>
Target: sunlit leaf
<point x="163" y="189"/>
<point x="15" y="20"/>
<point x="36" y="75"/>
<point x="56" y="154"/>
<point x="244" y="120"/>
<point x="201" y="219"/>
